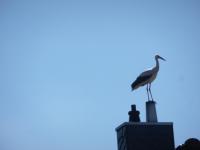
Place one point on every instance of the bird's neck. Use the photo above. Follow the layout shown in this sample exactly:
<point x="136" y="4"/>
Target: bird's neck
<point x="157" y="64"/>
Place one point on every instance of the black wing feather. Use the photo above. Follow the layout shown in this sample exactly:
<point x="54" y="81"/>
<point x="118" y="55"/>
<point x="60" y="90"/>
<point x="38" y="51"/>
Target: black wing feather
<point x="139" y="80"/>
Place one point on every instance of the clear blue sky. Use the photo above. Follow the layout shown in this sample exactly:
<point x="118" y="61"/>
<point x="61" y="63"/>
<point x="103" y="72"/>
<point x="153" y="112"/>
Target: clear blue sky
<point x="66" y="69"/>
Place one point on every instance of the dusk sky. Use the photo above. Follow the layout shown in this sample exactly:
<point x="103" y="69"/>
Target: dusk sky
<point x="67" y="66"/>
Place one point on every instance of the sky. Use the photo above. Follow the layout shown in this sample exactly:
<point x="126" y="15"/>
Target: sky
<point x="67" y="66"/>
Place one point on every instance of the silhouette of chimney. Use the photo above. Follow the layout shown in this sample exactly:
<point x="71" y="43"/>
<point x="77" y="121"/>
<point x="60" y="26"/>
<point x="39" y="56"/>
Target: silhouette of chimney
<point x="151" y="115"/>
<point x="149" y="135"/>
<point x="134" y="114"/>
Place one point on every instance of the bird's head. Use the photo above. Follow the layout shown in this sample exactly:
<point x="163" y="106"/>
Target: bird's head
<point x="159" y="57"/>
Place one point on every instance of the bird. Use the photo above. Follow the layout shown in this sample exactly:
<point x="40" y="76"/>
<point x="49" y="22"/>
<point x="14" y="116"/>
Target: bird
<point x="147" y="77"/>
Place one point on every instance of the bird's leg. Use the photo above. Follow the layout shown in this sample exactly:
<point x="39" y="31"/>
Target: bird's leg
<point x="150" y="91"/>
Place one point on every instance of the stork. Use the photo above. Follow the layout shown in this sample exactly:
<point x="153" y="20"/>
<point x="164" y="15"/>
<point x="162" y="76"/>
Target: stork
<point x="147" y="77"/>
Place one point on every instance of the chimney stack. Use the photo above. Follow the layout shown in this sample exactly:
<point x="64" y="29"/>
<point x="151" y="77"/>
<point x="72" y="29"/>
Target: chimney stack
<point x="134" y="114"/>
<point x="151" y="135"/>
<point x="151" y="115"/>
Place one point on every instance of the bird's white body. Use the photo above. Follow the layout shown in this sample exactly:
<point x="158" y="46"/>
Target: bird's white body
<point x="147" y="77"/>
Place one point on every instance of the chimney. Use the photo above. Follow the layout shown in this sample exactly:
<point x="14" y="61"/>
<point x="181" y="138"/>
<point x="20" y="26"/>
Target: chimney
<point x="134" y="114"/>
<point x="149" y="135"/>
<point x="151" y="115"/>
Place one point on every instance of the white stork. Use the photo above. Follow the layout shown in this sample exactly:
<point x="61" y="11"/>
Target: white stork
<point x="147" y="77"/>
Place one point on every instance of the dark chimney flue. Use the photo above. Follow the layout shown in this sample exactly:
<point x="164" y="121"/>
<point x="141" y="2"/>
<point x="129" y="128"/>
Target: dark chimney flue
<point x="134" y="114"/>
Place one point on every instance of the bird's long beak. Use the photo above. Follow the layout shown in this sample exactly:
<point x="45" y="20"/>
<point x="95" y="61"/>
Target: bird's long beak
<point x="162" y="58"/>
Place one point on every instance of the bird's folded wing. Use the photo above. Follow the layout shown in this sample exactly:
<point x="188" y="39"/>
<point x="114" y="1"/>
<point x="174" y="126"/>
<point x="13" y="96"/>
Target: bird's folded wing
<point x="146" y="73"/>
<point x="140" y="81"/>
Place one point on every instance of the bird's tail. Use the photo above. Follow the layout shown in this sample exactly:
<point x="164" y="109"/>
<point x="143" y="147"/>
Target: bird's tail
<point x="133" y="86"/>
